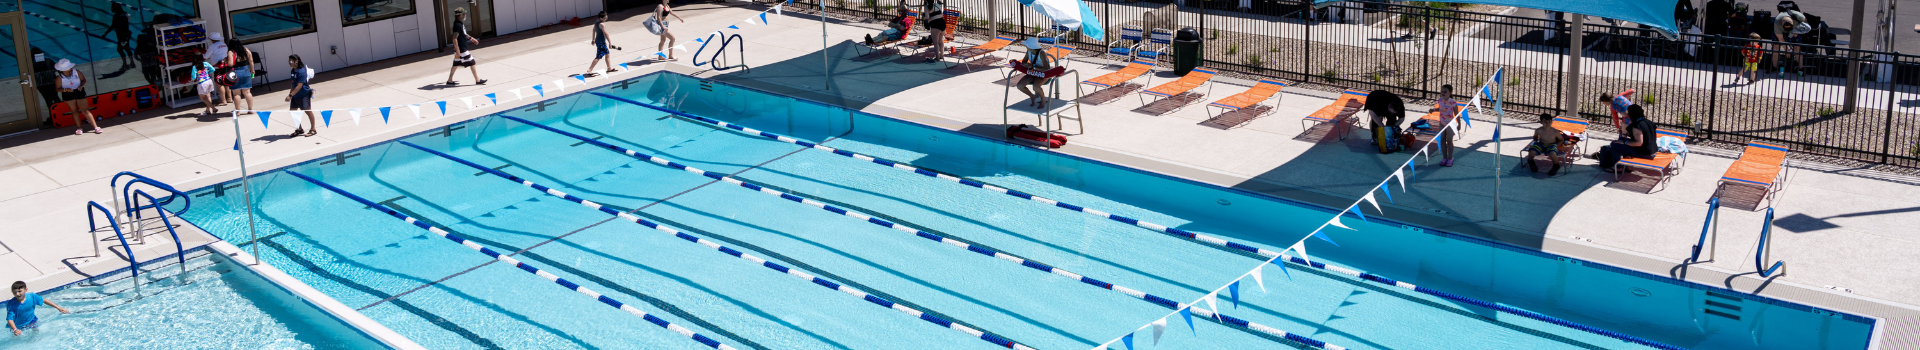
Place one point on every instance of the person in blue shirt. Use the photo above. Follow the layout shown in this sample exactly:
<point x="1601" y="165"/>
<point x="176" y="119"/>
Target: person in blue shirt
<point x="20" y="308"/>
<point x="301" y="99"/>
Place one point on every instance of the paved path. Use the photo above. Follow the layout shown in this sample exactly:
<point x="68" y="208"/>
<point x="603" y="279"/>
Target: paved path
<point x="1840" y="227"/>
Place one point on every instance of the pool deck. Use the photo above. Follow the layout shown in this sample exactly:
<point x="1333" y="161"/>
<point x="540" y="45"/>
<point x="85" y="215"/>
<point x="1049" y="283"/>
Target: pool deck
<point x="1834" y="226"/>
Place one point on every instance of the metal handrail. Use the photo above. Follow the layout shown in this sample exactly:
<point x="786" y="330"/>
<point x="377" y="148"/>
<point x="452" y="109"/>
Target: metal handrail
<point x="91" y="226"/>
<point x="180" y="250"/>
<point x="1713" y="208"/>
<point x="126" y="194"/>
<point x="1760" y="253"/>
<point x="725" y="40"/>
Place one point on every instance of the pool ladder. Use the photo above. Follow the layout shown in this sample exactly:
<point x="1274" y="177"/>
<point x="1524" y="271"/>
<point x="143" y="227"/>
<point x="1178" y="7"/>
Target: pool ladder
<point x="129" y="210"/>
<point x="1760" y="252"/>
<point x="719" y="56"/>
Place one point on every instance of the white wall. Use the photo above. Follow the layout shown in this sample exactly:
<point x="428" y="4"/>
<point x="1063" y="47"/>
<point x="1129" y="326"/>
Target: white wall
<point x="358" y="44"/>
<point x="519" y="15"/>
<point x="388" y="38"/>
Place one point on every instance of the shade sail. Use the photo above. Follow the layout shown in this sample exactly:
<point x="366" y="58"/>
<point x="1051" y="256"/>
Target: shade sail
<point x="1653" y="13"/>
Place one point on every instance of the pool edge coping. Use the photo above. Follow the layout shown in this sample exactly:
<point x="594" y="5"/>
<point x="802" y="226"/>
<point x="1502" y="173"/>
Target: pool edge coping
<point x="314" y="298"/>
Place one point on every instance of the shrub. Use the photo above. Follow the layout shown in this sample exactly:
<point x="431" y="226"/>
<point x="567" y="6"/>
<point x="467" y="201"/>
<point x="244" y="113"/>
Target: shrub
<point x="1233" y="48"/>
<point x="1214" y="34"/>
<point x="1650" y="98"/>
<point x="1254" y="60"/>
<point x="1826" y="111"/>
<point x="1330" y="73"/>
<point x="1515" y="81"/>
<point x="1686" y="119"/>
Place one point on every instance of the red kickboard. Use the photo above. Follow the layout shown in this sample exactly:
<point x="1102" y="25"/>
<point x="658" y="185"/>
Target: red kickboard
<point x="112" y="104"/>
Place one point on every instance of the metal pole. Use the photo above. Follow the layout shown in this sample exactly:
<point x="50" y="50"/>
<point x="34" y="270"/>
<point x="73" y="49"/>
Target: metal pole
<point x="826" y="65"/>
<point x="1853" y="59"/>
<point x="1570" y="101"/>
<point x="246" y="188"/>
<point x="1499" y="121"/>
<point x="993" y="18"/>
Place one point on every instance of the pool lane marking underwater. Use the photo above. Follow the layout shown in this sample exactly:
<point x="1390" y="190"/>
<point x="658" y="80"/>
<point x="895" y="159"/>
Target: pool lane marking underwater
<point x="1215" y="241"/>
<point x="523" y="266"/>
<point x="1156" y="300"/>
<point x="849" y="290"/>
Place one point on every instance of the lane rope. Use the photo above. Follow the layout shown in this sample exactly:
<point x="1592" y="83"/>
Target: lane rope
<point x="869" y="297"/>
<point x="873" y="219"/>
<point x="1216" y="241"/>
<point x="709" y="342"/>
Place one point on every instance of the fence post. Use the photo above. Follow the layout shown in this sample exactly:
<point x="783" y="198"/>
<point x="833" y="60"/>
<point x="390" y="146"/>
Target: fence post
<point x="1306" y="61"/>
<point x="1886" y="142"/>
<point x="1713" y="94"/>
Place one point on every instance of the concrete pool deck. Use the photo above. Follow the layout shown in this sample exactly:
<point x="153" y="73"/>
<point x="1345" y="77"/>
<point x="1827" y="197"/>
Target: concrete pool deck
<point x="1834" y="226"/>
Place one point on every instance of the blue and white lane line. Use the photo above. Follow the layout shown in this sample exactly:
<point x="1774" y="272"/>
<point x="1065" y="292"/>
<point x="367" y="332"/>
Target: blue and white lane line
<point x="983" y="335"/>
<point x="1159" y="228"/>
<point x="869" y="218"/>
<point x="523" y="266"/>
<point x="976" y="184"/>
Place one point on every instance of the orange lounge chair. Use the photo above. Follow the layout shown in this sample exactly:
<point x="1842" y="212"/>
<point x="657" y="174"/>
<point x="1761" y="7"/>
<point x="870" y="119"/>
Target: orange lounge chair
<point x="1120" y="81"/>
<point x="905" y="35"/>
<point x="1663" y="164"/>
<point x="1439" y="123"/>
<point x="953" y="22"/>
<point x="1249" y="100"/>
<point x="1340" y="112"/>
<point x="1573" y="126"/>
<point x="962" y="56"/>
<point x="1761" y="165"/>
<point x="1181" y="91"/>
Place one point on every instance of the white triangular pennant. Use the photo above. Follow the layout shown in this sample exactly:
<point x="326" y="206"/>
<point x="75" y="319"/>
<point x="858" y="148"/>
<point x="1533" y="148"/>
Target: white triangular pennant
<point x="1258" y="280"/>
<point x="467" y="100"/>
<point x="1397" y="175"/>
<point x="1336" y="222"/>
<point x="516" y="94"/>
<point x="415" y="108"/>
<point x="1159" y="326"/>
<point x="776" y="9"/>
<point x="559" y="85"/>
<point x="1369" y="199"/>
<point x="682" y="48"/>
<point x="298" y="120"/>
<point x="355" y="113"/>
<point x="1301" y="247"/>
<point x="1213" y="306"/>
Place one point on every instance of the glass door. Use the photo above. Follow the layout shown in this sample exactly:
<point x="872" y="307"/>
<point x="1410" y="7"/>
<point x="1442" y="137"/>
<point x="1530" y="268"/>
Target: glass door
<point x="16" y="84"/>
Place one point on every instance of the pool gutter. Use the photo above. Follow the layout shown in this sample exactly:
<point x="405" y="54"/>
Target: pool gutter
<point x="366" y="326"/>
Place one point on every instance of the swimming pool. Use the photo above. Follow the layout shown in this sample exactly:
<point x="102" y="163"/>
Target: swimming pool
<point x="928" y="258"/>
<point x="211" y="303"/>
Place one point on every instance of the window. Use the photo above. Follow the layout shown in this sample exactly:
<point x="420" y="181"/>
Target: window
<point x="272" y="21"/>
<point x="111" y="41"/>
<point x="362" y="11"/>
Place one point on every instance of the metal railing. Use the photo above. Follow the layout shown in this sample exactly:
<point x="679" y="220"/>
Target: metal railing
<point x="180" y="250"/>
<point x="93" y="226"/>
<point x="1713" y="209"/>
<point x="1760" y="253"/>
<point x="1686" y="82"/>
<point x="716" y="61"/>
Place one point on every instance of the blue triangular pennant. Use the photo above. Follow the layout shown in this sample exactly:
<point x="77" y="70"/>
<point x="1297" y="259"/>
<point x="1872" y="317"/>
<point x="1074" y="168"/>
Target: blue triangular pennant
<point x="1383" y="189"/>
<point x="763" y="18"/>
<point x="236" y="144"/>
<point x="326" y="118"/>
<point x="1323" y="236"/>
<point x="1356" y="212"/>
<point x="1496" y="133"/>
<point x="542" y="91"/>
<point x="1127" y="340"/>
<point x="1410" y="170"/>
<point x="493" y="98"/>
<point x="443" y="106"/>
<point x="623" y="66"/>
<point x="263" y="118"/>
<point x="1466" y="116"/>
<point x="583" y="78"/>
<point x="1187" y="313"/>
<point x="384" y="113"/>
<point x="733" y="27"/>
<point x="1233" y="293"/>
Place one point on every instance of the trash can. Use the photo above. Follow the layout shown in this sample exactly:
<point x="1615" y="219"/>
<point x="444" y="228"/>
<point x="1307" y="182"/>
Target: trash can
<point x="1186" y="50"/>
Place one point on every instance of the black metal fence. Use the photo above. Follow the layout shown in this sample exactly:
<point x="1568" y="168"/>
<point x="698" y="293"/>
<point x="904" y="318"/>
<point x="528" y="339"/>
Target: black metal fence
<point x="1690" y="82"/>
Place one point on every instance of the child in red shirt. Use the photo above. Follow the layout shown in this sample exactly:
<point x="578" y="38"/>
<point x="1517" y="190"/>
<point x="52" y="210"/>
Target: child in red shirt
<point x="1752" y="63"/>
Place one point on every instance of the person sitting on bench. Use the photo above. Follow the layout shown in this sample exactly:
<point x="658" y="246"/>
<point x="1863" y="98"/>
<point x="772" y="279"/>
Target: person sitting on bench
<point x="896" y="28"/>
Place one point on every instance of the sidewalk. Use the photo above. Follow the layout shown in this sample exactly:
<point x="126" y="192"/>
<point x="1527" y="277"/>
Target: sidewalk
<point x="1834" y="226"/>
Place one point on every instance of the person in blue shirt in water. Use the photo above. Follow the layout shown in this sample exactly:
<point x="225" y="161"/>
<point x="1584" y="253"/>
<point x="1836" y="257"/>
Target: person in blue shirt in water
<point x="20" y="308"/>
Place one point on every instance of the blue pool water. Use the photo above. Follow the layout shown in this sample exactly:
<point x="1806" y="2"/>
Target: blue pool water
<point x="449" y="297"/>
<point x="213" y="303"/>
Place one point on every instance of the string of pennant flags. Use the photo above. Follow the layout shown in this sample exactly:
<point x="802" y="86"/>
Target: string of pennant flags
<point x="1232" y="289"/>
<point x="475" y="102"/>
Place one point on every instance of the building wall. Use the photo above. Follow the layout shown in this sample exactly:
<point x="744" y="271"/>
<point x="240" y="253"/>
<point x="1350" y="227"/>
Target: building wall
<point x="388" y="38"/>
